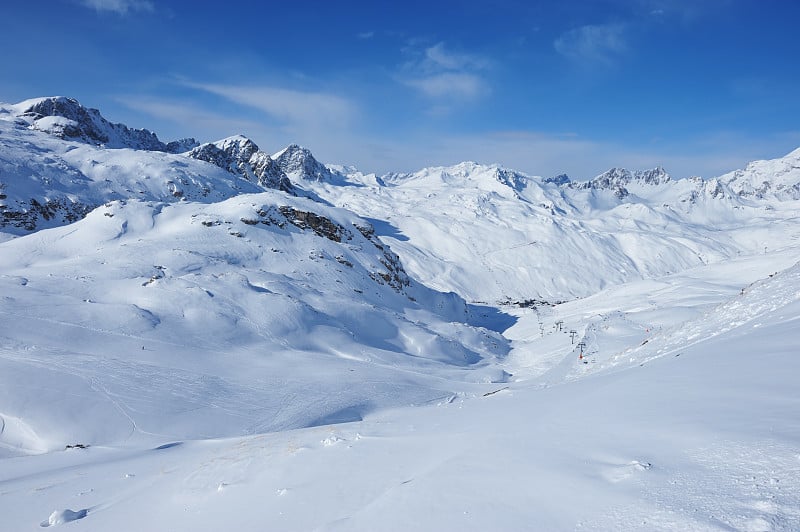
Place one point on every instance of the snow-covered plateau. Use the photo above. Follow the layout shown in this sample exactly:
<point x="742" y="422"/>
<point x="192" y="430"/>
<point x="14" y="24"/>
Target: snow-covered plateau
<point x="214" y="337"/>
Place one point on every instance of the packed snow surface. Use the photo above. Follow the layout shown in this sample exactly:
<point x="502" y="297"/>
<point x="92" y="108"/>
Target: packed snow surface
<point x="463" y="348"/>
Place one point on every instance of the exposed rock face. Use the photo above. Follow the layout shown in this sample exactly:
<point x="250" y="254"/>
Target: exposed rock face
<point x="511" y="179"/>
<point x="28" y="217"/>
<point x="298" y="163"/>
<point x="319" y="224"/>
<point x="656" y="176"/>
<point x="560" y="180"/>
<point x="182" y="145"/>
<point x="614" y="179"/>
<point x="395" y="276"/>
<point x="269" y="174"/>
<point x="241" y="156"/>
<point x="389" y="269"/>
<point x="617" y="179"/>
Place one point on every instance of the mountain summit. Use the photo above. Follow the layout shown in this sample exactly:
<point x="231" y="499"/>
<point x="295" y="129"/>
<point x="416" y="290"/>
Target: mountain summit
<point x="617" y="180"/>
<point x="67" y="119"/>
<point x="241" y="156"/>
<point x="297" y="162"/>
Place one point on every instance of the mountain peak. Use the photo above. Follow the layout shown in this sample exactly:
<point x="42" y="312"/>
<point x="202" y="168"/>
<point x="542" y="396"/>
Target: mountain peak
<point x="654" y="176"/>
<point x="560" y="179"/>
<point x="241" y="156"/>
<point x="779" y="178"/>
<point x="618" y="179"/>
<point x="67" y="119"/>
<point x="298" y="162"/>
<point x="237" y="144"/>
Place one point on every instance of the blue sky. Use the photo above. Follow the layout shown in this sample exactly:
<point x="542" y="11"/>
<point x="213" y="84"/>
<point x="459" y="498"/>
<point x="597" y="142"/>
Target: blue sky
<point x="700" y="87"/>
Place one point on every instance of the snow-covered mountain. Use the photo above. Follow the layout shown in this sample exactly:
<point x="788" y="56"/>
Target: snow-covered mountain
<point x="618" y="179"/>
<point x="234" y="340"/>
<point x="51" y="175"/>
<point x="778" y="179"/>
<point x="240" y="155"/>
<point x="530" y="238"/>
<point x="66" y="118"/>
<point x="299" y="164"/>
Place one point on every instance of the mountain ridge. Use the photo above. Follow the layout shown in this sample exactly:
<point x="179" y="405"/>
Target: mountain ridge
<point x="532" y="238"/>
<point x="67" y="118"/>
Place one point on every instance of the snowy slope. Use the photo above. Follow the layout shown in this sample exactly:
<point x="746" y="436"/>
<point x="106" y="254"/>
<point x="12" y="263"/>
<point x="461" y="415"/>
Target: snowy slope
<point x="192" y="320"/>
<point x="703" y="437"/>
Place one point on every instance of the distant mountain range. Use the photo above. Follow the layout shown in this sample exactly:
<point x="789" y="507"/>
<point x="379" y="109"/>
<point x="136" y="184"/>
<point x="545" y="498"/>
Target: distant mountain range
<point x="529" y="237"/>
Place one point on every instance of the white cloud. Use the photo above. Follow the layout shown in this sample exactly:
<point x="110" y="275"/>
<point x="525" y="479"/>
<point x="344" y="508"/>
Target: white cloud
<point x="191" y="119"/>
<point x="118" y="6"/>
<point x="592" y="43"/>
<point x="441" y="74"/>
<point x="438" y="57"/>
<point x="290" y="106"/>
<point x="449" y="84"/>
<point x="536" y="153"/>
<point x="366" y="35"/>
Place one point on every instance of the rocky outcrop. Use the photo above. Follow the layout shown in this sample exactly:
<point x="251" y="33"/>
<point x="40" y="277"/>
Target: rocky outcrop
<point x="387" y="270"/>
<point x="618" y="179"/>
<point x="559" y="180"/>
<point x="321" y="225"/>
<point x="29" y="216"/>
<point x="181" y="145"/>
<point x="241" y="156"/>
<point x="298" y="163"/>
<point x="394" y="274"/>
<point x="511" y="179"/>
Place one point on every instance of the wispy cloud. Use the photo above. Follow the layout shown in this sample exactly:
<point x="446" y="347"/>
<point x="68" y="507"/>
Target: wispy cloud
<point x="537" y="153"/>
<point x="683" y="8"/>
<point x="440" y="73"/>
<point x="449" y="84"/>
<point x="593" y="43"/>
<point x="287" y="105"/>
<point x="121" y="7"/>
<point x="366" y="35"/>
<point x="192" y="119"/>
<point x="438" y="57"/>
